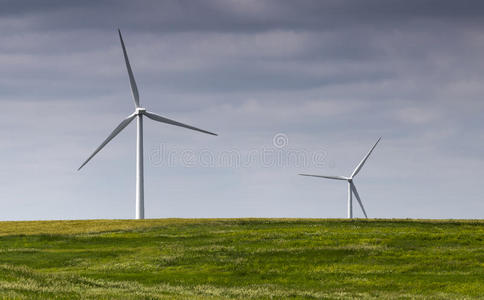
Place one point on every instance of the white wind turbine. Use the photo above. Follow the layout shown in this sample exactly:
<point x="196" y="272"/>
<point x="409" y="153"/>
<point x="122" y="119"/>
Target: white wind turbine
<point x="351" y="185"/>
<point x="138" y="114"/>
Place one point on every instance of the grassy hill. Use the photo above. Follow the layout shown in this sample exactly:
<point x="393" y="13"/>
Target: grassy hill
<point x="242" y="258"/>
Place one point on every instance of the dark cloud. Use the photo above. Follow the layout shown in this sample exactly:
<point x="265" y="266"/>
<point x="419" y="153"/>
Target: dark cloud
<point x="244" y="16"/>
<point x="332" y="75"/>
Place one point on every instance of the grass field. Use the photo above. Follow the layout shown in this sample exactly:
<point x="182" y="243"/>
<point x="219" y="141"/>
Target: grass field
<point x="242" y="258"/>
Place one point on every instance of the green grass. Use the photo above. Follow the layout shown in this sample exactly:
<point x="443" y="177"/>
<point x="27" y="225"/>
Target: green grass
<point x="242" y="259"/>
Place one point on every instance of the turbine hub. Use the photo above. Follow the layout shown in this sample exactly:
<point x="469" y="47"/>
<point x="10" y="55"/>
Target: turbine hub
<point x="140" y="110"/>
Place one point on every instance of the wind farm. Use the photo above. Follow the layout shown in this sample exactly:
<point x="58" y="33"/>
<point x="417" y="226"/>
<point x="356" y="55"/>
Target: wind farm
<point x="284" y="150"/>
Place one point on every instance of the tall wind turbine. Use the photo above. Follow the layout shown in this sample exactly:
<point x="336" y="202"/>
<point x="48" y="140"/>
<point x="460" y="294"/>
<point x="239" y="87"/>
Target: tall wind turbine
<point x="138" y="113"/>
<point x="351" y="186"/>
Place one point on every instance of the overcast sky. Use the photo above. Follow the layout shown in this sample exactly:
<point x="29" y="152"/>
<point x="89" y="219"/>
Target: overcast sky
<point x="290" y="87"/>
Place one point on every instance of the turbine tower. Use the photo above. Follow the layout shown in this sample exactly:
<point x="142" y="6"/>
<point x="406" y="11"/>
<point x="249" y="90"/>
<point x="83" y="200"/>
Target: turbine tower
<point x="138" y="113"/>
<point x="351" y="186"/>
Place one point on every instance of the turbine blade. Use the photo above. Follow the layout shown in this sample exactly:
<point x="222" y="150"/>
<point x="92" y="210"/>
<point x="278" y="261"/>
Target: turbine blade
<point x="353" y="188"/>
<point x="328" y="177"/>
<point x="360" y="165"/>
<point x="115" y="132"/>
<point x="132" y="82"/>
<point x="161" y="119"/>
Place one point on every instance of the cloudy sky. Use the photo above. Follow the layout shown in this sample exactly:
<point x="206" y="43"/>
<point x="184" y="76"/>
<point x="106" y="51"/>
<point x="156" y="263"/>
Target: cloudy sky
<point x="289" y="86"/>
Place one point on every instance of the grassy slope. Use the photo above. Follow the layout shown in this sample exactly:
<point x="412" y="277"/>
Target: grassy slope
<point x="242" y="258"/>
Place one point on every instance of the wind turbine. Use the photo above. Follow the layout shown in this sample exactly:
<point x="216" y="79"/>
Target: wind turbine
<point x="351" y="186"/>
<point x="138" y="114"/>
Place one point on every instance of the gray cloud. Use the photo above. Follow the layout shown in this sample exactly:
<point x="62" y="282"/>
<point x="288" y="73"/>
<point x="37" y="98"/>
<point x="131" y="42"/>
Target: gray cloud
<point x="249" y="16"/>
<point x="332" y="75"/>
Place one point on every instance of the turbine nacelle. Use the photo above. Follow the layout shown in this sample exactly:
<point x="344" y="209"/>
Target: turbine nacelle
<point x="139" y="111"/>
